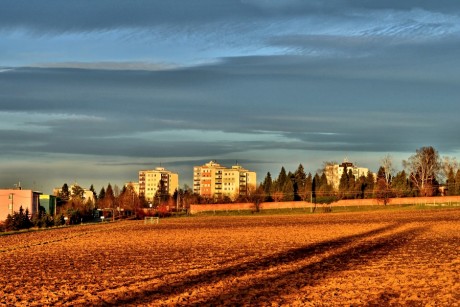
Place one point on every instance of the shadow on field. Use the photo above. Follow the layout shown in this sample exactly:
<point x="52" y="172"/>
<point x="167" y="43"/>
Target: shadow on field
<point x="311" y="274"/>
<point x="285" y="282"/>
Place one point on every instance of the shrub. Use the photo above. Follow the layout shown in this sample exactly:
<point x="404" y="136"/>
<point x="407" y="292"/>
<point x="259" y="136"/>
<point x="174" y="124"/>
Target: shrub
<point x="19" y="220"/>
<point x="59" y="220"/>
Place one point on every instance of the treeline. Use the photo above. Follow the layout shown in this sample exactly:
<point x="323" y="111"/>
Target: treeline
<point x="421" y="176"/>
<point x="79" y="206"/>
<point x="300" y="186"/>
<point x="23" y="220"/>
<point x="114" y="203"/>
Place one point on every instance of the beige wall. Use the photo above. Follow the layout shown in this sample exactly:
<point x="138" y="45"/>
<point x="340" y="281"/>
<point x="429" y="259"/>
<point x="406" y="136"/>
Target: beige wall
<point x="11" y="200"/>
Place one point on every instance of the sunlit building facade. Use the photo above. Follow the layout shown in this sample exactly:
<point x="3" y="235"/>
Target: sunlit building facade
<point x="213" y="180"/>
<point x="150" y="182"/>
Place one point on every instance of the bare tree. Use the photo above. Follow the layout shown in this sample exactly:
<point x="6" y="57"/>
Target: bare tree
<point x="387" y="164"/>
<point x="423" y="168"/>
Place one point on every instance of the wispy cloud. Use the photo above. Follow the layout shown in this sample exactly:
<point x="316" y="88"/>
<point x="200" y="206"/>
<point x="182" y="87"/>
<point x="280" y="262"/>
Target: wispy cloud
<point x="108" y="65"/>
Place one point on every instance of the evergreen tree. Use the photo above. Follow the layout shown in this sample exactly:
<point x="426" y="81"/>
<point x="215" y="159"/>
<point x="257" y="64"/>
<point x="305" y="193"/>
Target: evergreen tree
<point x="323" y="183"/>
<point x="361" y="187"/>
<point x="101" y="198"/>
<point x="282" y="178"/>
<point x="300" y="178"/>
<point x="353" y="186"/>
<point x="161" y="194"/>
<point x="109" y="198"/>
<point x="450" y="183"/>
<point x="343" y="184"/>
<point x="370" y="182"/>
<point x="401" y="185"/>
<point x="315" y="186"/>
<point x="325" y="191"/>
<point x="457" y="183"/>
<point x="288" y="191"/>
<point x="267" y="187"/>
<point x="101" y="193"/>
<point x="91" y="188"/>
<point x="307" y="192"/>
<point x="64" y="194"/>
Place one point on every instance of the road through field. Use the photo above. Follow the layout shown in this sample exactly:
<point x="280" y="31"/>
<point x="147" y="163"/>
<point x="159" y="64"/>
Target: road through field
<point x="364" y="258"/>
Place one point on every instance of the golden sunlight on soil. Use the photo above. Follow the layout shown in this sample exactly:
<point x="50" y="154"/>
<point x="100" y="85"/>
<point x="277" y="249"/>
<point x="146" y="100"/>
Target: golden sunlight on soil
<point x="374" y="258"/>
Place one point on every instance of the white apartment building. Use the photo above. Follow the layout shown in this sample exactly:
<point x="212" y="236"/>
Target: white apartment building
<point x="334" y="172"/>
<point x="88" y="195"/>
<point x="215" y="180"/>
<point x="149" y="182"/>
<point x="133" y="185"/>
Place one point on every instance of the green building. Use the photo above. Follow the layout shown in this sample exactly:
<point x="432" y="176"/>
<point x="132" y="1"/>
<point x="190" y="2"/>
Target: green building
<point x="49" y="203"/>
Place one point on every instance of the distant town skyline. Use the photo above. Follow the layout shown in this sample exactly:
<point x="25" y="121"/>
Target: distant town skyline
<point x="93" y="92"/>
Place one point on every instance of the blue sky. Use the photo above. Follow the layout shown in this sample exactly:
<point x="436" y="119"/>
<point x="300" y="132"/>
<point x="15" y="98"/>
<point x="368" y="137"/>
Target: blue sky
<point x="94" y="91"/>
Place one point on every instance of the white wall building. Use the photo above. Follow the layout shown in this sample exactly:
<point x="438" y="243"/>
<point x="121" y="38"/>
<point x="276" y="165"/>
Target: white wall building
<point x="334" y="172"/>
<point x="149" y="182"/>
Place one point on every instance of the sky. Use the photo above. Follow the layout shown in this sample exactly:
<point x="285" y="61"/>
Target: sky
<point x="94" y="91"/>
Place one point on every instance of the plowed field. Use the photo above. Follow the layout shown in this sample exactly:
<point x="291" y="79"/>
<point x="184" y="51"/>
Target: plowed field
<point x="374" y="258"/>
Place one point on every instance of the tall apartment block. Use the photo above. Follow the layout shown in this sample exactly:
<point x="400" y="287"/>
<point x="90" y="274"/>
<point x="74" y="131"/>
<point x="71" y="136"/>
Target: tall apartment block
<point x="215" y="180"/>
<point x="335" y="172"/>
<point x="149" y="182"/>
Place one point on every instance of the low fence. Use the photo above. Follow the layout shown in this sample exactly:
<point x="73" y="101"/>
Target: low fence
<point x="439" y="200"/>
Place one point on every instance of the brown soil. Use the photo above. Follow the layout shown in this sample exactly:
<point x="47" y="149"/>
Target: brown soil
<point x="374" y="258"/>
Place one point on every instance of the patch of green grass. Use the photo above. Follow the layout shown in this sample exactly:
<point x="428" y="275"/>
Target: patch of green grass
<point x="327" y="209"/>
<point x="252" y="212"/>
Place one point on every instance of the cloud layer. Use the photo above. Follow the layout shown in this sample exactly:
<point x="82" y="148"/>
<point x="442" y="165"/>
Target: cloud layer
<point x="122" y="84"/>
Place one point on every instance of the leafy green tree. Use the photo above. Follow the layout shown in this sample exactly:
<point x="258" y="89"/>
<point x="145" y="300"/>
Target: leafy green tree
<point x="77" y="191"/>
